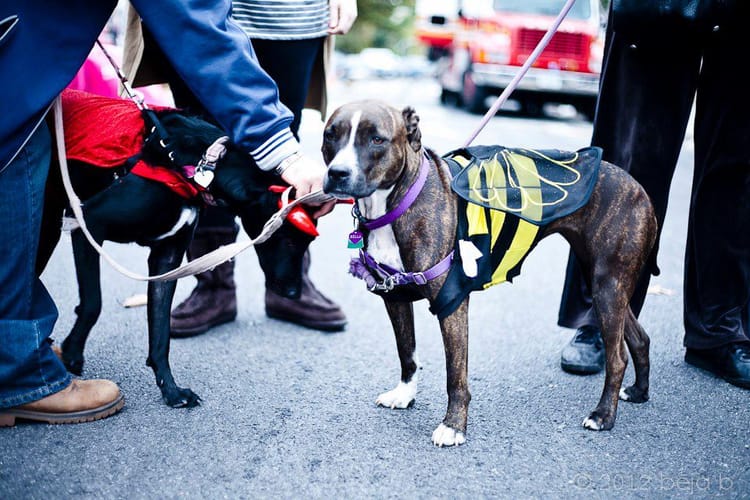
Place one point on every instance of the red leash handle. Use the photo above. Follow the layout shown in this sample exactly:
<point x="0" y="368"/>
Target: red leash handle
<point x="297" y="216"/>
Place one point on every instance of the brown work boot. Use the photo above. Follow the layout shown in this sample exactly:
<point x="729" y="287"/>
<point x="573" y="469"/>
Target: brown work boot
<point x="81" y="401"/>
<point x="312" y="309"/>
<point x="214" y="299"/>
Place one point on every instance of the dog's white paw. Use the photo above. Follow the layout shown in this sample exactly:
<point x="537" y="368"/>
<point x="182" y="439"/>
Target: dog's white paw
<point x="400" y="397"/>
<point x="445" y="436"/>
<point x="624" y="395"/>
<point x="592" y="424"/>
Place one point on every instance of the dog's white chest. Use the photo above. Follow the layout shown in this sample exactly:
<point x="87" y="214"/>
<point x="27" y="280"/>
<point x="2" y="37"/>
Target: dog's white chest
<point x="381" y="242"/>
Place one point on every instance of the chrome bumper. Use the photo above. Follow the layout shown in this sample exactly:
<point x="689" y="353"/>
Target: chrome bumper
<point x="537" y="80"/>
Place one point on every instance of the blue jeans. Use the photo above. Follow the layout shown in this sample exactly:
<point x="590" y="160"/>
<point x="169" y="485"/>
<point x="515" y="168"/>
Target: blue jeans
<point x="29" y="370"/>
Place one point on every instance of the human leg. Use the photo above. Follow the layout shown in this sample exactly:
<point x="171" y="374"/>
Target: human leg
<point x="717" y="257"/>
<point x="312" y="309"/>
<point x="644" y="104"/>
<point x="32" y="378"/>
<point x="213" y="301"/>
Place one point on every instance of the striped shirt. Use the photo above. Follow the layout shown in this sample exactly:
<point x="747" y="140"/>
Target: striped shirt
<point x="282" y="19"/>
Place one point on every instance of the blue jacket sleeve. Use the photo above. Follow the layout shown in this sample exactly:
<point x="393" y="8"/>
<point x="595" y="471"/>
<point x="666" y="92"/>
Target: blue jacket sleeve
<point x="216" y="60"/>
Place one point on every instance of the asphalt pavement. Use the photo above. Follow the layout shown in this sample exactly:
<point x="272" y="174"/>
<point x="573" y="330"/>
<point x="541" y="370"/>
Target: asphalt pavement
<point x="290" y="413"/>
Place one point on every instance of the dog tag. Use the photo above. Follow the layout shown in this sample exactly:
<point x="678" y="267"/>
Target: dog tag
<point x="355" y="240"/>
<point x="203" y="177"/>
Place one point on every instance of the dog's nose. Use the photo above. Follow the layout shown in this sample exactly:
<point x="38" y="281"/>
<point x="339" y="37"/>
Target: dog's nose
<point x="339" y="173"/>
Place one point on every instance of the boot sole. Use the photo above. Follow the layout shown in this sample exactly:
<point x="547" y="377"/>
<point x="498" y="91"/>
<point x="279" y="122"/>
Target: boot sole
<point x="8" y="417"/>
<point x="698" y="362"/>
<point x="193" y="332"/>
<point x="324" y="326"/>
<point x="580" y="369"/>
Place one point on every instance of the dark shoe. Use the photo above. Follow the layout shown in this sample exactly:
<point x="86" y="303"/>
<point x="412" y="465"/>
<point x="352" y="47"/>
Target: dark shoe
<point x="204" y="309"/>
<point x="312" y="309"/>
<point x="81" y="401"/>
<point x="584" y="355"/>
<point x="730" y="362"/>
<point x="214" y="299"/>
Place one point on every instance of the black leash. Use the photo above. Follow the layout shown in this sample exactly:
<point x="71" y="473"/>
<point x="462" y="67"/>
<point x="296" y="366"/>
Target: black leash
<point x="157" y="133"/>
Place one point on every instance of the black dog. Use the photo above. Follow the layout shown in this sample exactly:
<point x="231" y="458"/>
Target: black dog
<point x="374" y="153"/>
<point x="123" y="207"/>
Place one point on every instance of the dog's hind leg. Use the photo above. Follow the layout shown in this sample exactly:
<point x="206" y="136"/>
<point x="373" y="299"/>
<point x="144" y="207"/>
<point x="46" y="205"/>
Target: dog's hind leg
<point x="611" y="303"/>
<point x="165" y="256"/>
<point x="638" y="345"/>
<point x="455" y="329"/>
<point x="401" y="315"/>
<point x="90" y="306"/>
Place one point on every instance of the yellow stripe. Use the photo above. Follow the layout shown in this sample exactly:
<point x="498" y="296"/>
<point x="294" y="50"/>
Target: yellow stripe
<point x="496" y="179"/>
<point x="475" y="213"/>
<point x="530" y="184"/>
<point x="519" y="247"/>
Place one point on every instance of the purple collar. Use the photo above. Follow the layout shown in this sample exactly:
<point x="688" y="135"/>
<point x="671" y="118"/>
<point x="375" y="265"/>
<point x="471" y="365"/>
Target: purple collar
<point x="364" y="267"/>
<point x="404" y="204"/>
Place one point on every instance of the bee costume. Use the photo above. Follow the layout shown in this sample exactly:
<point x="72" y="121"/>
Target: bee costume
<point x="506" y="198"/>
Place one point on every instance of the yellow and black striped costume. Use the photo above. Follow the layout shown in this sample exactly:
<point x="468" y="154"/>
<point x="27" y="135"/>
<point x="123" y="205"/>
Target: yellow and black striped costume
<point x="506" y="198"/>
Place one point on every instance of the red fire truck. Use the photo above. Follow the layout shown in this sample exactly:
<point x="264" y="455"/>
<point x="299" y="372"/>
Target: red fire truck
<point x="480" y="45"/>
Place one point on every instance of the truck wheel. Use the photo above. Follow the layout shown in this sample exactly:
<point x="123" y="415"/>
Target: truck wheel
<point x="473" y="96"/>
<point x="449" y="98"/>
<point x="532" y="109"/>
<point x="588" y="109"/>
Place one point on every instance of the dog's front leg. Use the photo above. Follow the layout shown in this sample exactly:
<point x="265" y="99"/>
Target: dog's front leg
<point x="163" y="258"/>
<point x="401" y="315"/>
<point x="455" y="330"/>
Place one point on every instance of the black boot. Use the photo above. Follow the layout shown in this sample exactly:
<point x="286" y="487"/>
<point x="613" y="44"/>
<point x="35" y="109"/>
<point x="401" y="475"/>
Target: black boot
<point x="584" y="355"/>
<point x="214" y="299"/>
<point x="730" y="362"/>
<point x="312" y="309"/>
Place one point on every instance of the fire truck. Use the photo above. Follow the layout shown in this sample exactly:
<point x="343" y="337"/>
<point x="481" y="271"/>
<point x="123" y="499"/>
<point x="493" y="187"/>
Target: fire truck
<point x="481" y="44"/>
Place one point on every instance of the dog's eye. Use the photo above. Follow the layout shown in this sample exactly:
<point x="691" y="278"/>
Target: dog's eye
<point x="377" y="140"/>
<point x="329" y="135"/>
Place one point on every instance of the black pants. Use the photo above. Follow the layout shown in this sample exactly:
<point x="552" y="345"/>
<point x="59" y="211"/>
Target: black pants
<point x="645" y="99"/>
<point x="289" y="63"/>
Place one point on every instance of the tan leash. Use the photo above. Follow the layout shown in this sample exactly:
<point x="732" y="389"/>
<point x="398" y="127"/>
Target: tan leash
<point x="199" y="265"/>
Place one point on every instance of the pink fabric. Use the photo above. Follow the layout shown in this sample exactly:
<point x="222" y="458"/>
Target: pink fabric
<point x="97" y="76"/>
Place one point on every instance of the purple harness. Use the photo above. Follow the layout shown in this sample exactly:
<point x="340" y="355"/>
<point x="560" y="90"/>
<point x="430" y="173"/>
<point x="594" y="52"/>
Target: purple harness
<point x="389" y="277"/>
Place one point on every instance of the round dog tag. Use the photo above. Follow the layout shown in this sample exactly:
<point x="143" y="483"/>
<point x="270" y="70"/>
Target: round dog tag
<point x="203" y="177"/>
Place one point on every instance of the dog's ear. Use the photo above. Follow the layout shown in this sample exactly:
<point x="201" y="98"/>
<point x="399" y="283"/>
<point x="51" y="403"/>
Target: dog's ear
<point x="413" y="134"/>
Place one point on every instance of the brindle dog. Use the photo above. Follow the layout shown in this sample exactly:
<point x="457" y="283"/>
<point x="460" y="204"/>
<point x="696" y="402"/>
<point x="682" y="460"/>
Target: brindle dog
<point x="374" y="151"/>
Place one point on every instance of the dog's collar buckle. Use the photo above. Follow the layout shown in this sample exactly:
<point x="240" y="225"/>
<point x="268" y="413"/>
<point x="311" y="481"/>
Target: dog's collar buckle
<point x="388" y="284"/>
<point x="420" y="278"/>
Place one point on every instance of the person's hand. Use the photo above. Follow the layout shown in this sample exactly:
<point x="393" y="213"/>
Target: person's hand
<point x="306" y="176"/>
<point x="343" y="14"/>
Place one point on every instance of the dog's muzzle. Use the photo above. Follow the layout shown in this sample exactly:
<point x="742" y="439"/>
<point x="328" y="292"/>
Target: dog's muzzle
<point x="344" y="181"/>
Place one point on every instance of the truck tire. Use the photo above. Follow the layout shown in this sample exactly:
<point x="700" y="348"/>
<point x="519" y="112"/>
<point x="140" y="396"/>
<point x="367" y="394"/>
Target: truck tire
<point x="473" y="96"/>
<point x="588" y="109"/>
<point x="449" y="98"/>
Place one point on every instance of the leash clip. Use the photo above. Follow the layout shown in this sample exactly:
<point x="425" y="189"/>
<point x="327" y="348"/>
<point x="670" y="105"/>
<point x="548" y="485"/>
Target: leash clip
<point x="387" y="285"/>
<point x="204" y="170"/>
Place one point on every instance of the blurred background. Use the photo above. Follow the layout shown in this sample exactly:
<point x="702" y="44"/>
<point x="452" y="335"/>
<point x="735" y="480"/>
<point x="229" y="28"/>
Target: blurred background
<point x="469" y="49"/>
